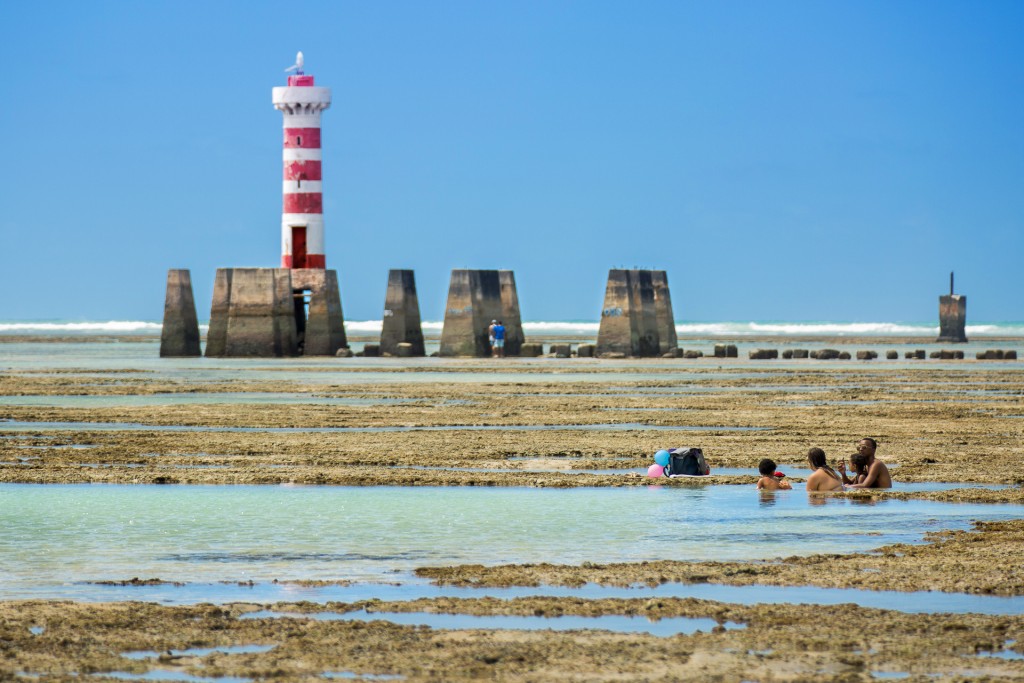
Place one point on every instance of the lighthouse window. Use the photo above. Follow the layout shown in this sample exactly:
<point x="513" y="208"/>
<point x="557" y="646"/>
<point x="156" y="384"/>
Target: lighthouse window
<point x="298" y="140"/>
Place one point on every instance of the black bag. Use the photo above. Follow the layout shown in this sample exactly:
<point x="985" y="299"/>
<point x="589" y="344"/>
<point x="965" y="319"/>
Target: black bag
<point x="689" y="461"/>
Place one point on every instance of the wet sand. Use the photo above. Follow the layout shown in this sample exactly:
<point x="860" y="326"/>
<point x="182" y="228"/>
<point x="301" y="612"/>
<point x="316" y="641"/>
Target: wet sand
<point x="960" y="424"/>
<point x="766" y="642"/>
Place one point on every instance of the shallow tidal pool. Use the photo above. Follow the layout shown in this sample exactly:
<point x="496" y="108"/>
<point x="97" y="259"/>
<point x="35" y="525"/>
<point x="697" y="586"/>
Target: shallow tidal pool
<point x="58" y="540"/>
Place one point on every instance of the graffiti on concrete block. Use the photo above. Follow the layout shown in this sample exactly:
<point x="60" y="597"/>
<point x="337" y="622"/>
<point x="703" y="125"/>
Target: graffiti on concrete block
<point x="612" y="312"/>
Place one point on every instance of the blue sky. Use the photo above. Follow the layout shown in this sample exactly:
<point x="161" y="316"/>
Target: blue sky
<point x="781" y="160"/>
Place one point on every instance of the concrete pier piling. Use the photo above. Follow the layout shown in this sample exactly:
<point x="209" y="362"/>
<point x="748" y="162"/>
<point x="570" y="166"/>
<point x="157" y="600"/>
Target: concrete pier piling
<point x="952" y="317"/>
<point x="401" y="321"/>
<point x="180" y="333"/>
<point x="668" y="340"/>
<point x="475" y="298"/>
<point x="274" y="312"/>
<point x="252" y="314"/>
<point x="319" y="321"/>
<point x="637" y="313"/>
<point x="510" y="316"/>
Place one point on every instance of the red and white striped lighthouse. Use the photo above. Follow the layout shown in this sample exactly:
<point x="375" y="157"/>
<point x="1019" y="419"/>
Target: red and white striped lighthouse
<point x="302" y="218"/>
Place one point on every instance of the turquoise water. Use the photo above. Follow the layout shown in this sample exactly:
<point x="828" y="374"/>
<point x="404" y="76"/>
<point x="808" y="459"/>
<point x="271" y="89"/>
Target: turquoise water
<point x="55" y="537"/>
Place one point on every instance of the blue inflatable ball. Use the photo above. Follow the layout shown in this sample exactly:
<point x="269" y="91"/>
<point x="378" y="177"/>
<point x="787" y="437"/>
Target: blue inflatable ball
<point x="661" y="458"/>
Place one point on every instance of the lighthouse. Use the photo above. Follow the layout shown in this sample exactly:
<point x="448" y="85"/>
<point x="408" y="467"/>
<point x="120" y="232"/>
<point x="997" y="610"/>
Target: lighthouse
<point x="302" y="219"/>
<point x="294" y="310"/>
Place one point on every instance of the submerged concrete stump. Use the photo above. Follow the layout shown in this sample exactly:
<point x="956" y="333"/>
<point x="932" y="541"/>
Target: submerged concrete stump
<point x="952" y="317"/>
<point x="475" y="298"/>
<point x="252" y="314"/>
<point x="180" y="333"/>
<point x="320" y="328"/>
<point x="637" y="313"/>
<point x="401" y="322"/>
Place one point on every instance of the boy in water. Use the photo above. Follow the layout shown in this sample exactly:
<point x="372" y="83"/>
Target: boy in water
<point x="768" y="481"/>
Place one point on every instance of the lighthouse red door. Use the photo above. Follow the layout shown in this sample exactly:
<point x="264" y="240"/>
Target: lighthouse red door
<point x="298" y="247"/>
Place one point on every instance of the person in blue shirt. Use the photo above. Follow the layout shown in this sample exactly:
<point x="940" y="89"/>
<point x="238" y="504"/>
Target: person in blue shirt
<point x="498" y="347"/>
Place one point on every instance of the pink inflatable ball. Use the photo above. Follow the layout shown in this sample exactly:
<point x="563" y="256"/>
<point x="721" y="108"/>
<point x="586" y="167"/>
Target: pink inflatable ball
<point x="655" y="471"/>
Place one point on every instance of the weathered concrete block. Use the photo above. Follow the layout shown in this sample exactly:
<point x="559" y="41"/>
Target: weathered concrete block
<point x="666" y="322"/>
<point x="475" y="298"/>
<point x="866" y="355"/>
<point x="958" y="355"/>
<point x="919" y="354"/>
<point x="344" y="352"/>
<point x="180" y="333"/>
<point x="560" y="350"/>
<point x="946" y="354"/>
<point x="952" y="319"/>
<point x="845" y="355"/>
<point x="319" y="323"/>
<point x="401" y="322"/>
<point x="935" y="354"/>
<point x="693" y="353"/>
<point x="800" y="353"/>
<point x="674" y="352"/>
<point x="828" y="354"/>
<point x="634" y="303"/>
<point x="269" y="312"/>
<point x="252" y="314"/>
<point x="787" y="354"/>
<point x="406" y="350"/>
<point x="510" y="315"/>
<point x="1010" y="355"/>
<point x="994" y="354"/>
<point x="533" y="349"/>
<point x="371" y="350"/>
<point x="764" y="354"/>
<point x="719" y="350"/>
<point x="731" y="351"/>
<point x="981" y="355"/>
<point x="586" y="350"/>
<point x="892" y="355"/>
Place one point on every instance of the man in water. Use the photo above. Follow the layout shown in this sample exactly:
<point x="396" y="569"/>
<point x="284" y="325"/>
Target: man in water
<point x="878" y="474"/>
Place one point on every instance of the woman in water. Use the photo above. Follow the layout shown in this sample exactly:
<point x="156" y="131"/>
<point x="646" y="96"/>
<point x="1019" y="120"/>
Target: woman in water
<point x="824" y="478"/>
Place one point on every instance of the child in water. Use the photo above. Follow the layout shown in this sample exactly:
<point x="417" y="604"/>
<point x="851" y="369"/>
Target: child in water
<point x="768" y="481"/>
<point x="859" y="465"/>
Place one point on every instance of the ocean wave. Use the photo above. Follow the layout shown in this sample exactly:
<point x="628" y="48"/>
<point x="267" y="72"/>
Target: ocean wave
<point x="786" y="329"/>
<point x="109" y="326"/>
